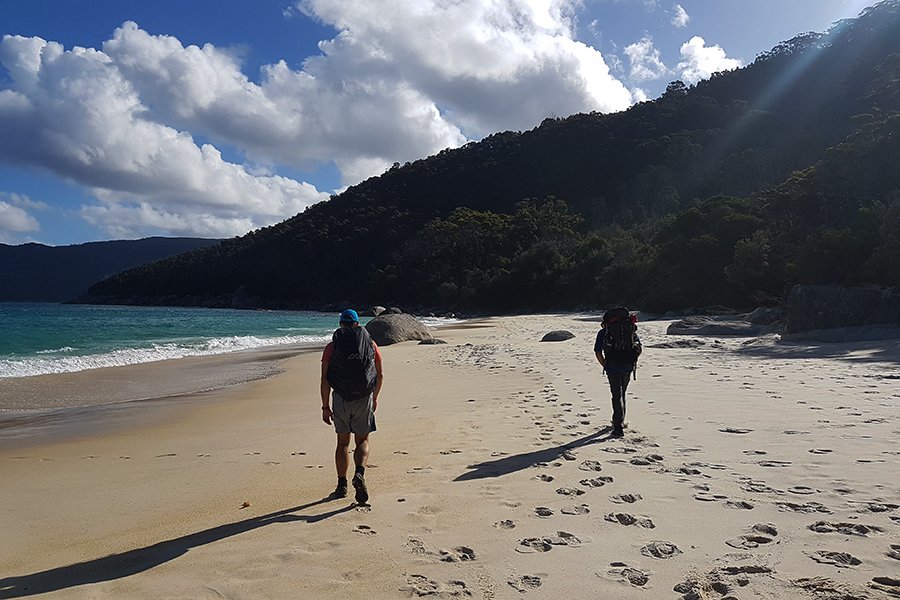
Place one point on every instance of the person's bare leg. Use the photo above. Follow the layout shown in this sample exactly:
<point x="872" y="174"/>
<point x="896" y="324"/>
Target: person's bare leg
<point x="361" y="452"/>
<point x="342" y="454"/>
<point x="361" y="459"/>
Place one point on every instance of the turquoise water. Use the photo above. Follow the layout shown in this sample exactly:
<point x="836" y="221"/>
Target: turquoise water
<point x="37" y="339"/>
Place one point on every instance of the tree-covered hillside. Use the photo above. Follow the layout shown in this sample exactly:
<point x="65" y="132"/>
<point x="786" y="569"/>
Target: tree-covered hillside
<point x="723" y="193"/>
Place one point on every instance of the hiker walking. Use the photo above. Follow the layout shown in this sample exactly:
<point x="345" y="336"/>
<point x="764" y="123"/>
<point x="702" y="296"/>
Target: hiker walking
<point x="617" y="349"/>
<point x="351" y="373"/>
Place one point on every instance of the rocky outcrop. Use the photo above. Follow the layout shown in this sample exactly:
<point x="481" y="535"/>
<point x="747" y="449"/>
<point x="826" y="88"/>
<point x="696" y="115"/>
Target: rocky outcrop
<point x="716" y="326"/>
<point x="432" y="342"/>
<point x="394" y="311"/>
<point x="811" y="307"/>
<point x="389" y="329"/>
<point x="559" y="335"/>
<point x="373" y="312"/>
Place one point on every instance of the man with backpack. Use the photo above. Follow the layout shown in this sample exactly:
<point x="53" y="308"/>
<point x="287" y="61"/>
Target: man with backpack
<point x="617" y="349"/>
<point x="352" y="375"/>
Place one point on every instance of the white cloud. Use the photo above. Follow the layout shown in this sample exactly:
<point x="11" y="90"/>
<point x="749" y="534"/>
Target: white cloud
<point x="401" y="80"/>
<point x="639" y="95"/>
<point x="644" y="60"/>
<point x="14" y="215"/>
<point x="681" y="18"/>
<point x="700" y="61"/>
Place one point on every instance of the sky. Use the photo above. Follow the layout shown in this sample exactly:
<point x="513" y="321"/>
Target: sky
<point x="122" y="119"/>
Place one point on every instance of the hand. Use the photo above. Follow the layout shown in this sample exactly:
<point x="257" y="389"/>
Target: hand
<point x="326" y="415"/>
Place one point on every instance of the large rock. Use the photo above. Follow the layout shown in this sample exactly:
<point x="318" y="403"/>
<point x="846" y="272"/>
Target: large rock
<point x="701" y="325"/>
<point x="373" y="312"/>
<point x="389" y="329"/>
<point x="812" y="307"/>
<point x="559" y="335"/>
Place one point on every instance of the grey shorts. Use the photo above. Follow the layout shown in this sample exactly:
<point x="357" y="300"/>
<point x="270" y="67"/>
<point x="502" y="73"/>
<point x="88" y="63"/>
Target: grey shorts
<point x="355" y="416"/>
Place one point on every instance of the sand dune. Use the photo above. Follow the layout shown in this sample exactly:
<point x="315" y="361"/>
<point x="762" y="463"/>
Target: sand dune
<point x="749" y="469"/>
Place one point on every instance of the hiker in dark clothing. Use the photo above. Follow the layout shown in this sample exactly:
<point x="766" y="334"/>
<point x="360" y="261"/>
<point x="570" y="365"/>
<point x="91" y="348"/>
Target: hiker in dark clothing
<point x="617" y="349"/>
<point x="352" y="375"/>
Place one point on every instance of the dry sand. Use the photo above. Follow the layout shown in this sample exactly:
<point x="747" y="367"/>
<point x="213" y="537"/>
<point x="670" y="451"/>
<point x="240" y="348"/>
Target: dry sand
<point x="747" y="471"/>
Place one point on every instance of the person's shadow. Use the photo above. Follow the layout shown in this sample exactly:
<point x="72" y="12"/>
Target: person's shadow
<point x="123" y="564"/>
<point x="517" y="462"/>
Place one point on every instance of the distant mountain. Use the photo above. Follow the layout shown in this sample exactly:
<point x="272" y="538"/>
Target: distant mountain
<point x="38" y="273"/>
<point x="727" y="192"/>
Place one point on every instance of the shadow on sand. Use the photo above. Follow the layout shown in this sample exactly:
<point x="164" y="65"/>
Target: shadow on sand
<point x="116" y="566"/>
<point x="517" y="462"/>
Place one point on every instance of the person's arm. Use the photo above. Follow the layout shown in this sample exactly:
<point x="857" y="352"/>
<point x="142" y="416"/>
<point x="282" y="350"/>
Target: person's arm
<point x="379" y="378"/>
<point x="598" y="348"/>
<point x="325" y="389"/>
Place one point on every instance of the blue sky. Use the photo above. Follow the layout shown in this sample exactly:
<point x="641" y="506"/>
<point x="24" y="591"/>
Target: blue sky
<point x="211" y="118"/>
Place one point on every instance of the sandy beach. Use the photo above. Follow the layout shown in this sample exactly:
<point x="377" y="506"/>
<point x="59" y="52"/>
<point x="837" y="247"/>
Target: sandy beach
<point x="749" y="469"/>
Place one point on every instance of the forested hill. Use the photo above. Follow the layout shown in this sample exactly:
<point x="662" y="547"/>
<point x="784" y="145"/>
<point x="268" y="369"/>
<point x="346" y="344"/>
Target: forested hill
<point x="39" y="273"/>
<point x="723" y="193"/>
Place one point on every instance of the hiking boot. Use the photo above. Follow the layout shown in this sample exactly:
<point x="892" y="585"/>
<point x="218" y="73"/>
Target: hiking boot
<point x="341" y="490"/>
<point x="359" y="484"/>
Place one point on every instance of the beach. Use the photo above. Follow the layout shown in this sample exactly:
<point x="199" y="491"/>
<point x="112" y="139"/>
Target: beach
<point x="749" y="469"/>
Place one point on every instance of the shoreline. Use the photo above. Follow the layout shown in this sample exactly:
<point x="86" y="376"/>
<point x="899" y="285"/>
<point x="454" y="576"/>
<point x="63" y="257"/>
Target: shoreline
<point x="89" y="402"/>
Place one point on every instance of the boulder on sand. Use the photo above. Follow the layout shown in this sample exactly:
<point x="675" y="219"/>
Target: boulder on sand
<point x="373" y="312"/>
<point x="389" y="329"/>
<point x="559" y="335"/>
<point x="701" y="325"/>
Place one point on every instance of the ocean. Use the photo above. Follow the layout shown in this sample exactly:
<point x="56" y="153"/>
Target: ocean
<point x="40" y="339"/>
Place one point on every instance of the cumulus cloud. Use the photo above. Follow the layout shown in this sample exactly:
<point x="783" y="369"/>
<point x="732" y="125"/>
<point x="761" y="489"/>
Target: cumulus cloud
<point x="402" y="79"/>
<point x="699" y="61"/>
<point x="15" y="217"/>
<point x="644" y="60"/>
<point x="680" y="18"/>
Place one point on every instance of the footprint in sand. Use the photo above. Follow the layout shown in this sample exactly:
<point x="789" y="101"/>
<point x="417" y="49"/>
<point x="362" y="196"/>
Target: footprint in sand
<point x="894" y="552"/>
<point x="838" y="559"/>
<point x="774" y="463"/>
<point x="755" y="452"/>
<point x="643" y="461"/>
<point x="543" y="511"/>
<point x="705" y="497"/>
<point x="545" y="544"/>
<point x="544" y="477"/>
<point x="590" y="465"/>
<point x="627" y="519"/>
<point x="172" y="454"/>
<point x="580" y="509"/>
<point x="458" y="554"/>
<point x="844" y="528"/>
<point x="525" y="583"/>
<point x="738" y="504"/>
<point x="737" y="430"/>
<point x="567" y="491"/>
<point x="364" y="529"/>
<point x="658" y="549"/>
<point x="626" y="574"/>
<point x="820" y="451"/>
<point x="505" y="524"/>
<point x="620" y="450"/>
<point x="625" y="498"/>
<point x="890" y="585"/>
<point x="802" y="490"/>
<point x="596" y="482"/>
<point x="807" y="508"/>
<point x="419" y="585"/>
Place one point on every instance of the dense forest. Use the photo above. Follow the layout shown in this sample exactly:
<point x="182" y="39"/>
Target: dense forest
<point x="724" y="193"/>
<point x="38" y="273"/>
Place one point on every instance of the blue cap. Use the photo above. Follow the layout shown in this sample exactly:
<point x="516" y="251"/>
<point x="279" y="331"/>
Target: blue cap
<point x="349" y="316"/>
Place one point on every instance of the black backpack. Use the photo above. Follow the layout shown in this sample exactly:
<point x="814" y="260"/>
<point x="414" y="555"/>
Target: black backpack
<point x="620" y="342"/>
<point x="351" y="371"/>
